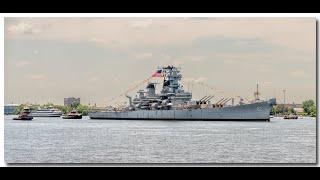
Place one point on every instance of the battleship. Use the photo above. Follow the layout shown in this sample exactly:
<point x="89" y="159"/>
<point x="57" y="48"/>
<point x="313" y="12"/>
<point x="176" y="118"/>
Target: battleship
<point x="174" y="103"/>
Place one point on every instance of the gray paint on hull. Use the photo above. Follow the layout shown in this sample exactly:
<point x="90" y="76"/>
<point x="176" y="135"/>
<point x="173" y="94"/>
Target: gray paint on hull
<point x="254" y="111"/>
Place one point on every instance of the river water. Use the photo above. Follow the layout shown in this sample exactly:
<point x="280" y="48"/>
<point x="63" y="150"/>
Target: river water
<point x="56" y="140"/>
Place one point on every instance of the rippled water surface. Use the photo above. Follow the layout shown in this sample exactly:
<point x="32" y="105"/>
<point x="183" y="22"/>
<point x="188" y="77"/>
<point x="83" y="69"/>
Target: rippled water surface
<point x="55" y="140"/>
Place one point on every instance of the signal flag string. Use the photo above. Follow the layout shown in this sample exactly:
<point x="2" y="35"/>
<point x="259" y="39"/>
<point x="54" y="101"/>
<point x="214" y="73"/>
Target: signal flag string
<point x="129" y="90"/>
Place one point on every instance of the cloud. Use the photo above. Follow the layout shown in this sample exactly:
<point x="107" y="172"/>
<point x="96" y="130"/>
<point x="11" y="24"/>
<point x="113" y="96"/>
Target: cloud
<point x="264" y="68"/>
<point x="146" y="55"/>
<point x="202" y="18"/>
<point x="177" y="63"/>
<point x="224" y="44"/>
<point x="97" y="40"/>
<point x="141" y="24"/>
<point x="196" y="80"/>
<point x="266" y="83"/>
<point x="195" y="59"/>
<point x="24" y="28"/>
<point x="36" y="76"/>
<point x="248" y="32"/>
<point x="299" y="73"/>
<point x="115" y="80"/>
<point x="94" y="79"/>
<point x="22" y="64"/>
<point x="229" y="61"/>
<point x="35" y="52"/>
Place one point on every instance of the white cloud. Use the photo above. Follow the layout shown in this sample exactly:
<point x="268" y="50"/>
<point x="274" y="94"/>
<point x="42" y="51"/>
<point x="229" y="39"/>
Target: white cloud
<point x="24" y="28"/>
<point x="35" y="52"/>
<point x="97" y="40"/>
<point x="196" y="80"/>
<point x="115" y="80"/>
<point x="299" y="73"/>
<point x="36" y="76"/>
<point x="141" y="23"/>
<point x="22" y="63"/>
<point x="264" y="68"/>
<point x="146" y="55"/>
<point x="94" y="79"/>
<point x="177" y="62"/>
<point x="178" y="31"/>
<point x="195" y="59"/>
<point x="266" y="83"/>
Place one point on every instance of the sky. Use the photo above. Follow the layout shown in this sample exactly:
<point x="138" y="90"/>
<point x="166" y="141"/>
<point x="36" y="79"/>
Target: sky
<point x="98" y="59"/>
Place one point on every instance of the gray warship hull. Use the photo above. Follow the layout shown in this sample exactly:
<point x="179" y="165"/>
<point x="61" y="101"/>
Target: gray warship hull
<point x="259" y="111"/>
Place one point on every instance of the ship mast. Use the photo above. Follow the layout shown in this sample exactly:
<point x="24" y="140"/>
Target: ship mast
<point x="256" y="94"/>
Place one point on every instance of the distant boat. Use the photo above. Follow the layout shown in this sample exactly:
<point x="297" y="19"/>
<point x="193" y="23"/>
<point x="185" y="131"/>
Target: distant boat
<point x="73" y="115"/>
<point x="24" y="115"/>
<point x="50" y="112"/>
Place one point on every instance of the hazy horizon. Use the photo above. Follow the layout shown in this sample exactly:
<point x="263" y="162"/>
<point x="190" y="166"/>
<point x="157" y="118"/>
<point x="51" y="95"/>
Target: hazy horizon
<point x="97" y="59"/>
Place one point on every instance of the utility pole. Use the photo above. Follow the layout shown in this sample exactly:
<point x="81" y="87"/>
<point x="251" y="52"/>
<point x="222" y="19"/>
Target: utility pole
<point x="256" y="94"/>
<point x="284" y="100"/>
<point x="284" y="96"/>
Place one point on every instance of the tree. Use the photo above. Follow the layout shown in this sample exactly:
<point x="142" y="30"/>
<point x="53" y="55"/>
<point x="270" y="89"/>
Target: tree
<point x="75" y="104"/>
<point x="83" y="109"/>
<point x="309" y="108"/>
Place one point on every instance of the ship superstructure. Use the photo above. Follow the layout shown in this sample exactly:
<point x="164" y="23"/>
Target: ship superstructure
<point x="171" y="96"/>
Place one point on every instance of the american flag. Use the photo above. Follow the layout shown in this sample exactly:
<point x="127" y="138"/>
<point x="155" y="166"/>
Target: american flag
<point x="158" y="73"/>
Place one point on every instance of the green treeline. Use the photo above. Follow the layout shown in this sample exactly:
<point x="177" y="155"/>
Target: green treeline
<point x="309" y="109"/>
<point x="83" y="109"/>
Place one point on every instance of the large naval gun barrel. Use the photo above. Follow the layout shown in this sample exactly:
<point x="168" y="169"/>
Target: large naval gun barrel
<point x="224" y="102"/>
<point x="220" y="101"/>
<point x="203" y="98"/>
<point x="210" y="97"/>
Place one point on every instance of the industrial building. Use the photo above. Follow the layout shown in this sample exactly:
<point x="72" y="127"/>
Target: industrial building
<point x="71" y="100"/>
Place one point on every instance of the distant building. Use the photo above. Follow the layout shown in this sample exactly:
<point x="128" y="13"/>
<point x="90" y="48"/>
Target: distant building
<point x="71" y="100"/>
<point x="10" y="108"/>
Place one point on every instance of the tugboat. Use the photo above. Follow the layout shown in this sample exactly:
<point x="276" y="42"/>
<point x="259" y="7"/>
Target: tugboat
<point x="73" y="115"/>
<point x="24" y="115"/>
